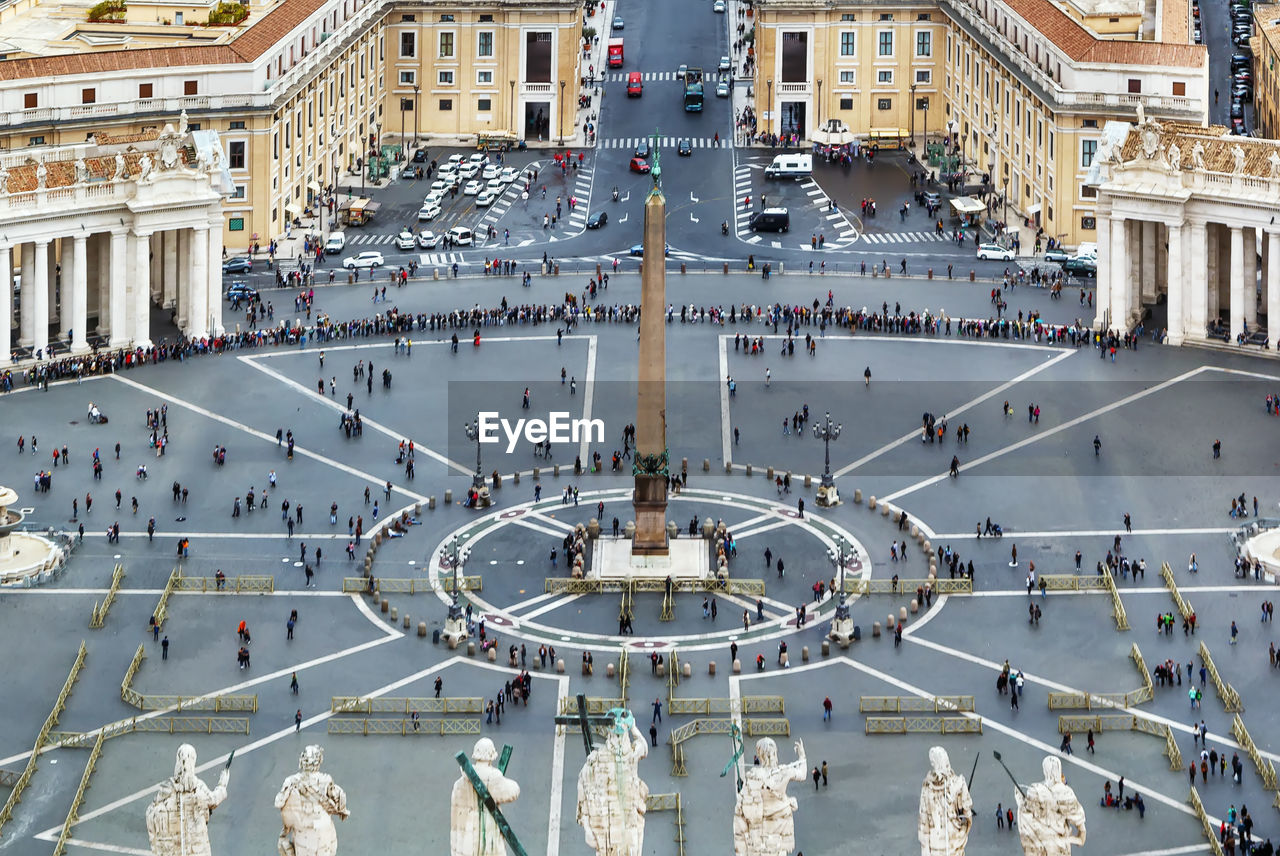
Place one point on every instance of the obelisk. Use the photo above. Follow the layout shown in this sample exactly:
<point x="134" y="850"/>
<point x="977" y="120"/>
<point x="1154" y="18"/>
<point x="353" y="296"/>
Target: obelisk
<point x="651" y="462"/>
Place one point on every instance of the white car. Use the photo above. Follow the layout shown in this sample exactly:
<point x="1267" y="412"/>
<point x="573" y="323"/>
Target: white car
<point x="471" y="188"/>
<point x="461" y="236"/>
<point x="448" y="174"/>
<point x="429" y="211"/>
<point x="485" y="199"/>
<point x="456" y="159"/>
<point x="725" y="64"/>
<point x="404" y="241"/>
<point x="435" y="197"/>
<point x="368" y="259"/>
<point x="996" y="252"/>
<point x="479" y="158"/>
<point x="509" y="174"/>
<point x="491" y="171"/>
<point x="428" y="240"/>
<point x="441" y="185"/>
<point x="717" y="6"/>
<point x="496" y="185"/>
<point x="469" y="170"/>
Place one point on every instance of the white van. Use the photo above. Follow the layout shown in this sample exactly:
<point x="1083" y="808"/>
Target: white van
<point x="337" y="243"/>
<point x="790" y="166"/>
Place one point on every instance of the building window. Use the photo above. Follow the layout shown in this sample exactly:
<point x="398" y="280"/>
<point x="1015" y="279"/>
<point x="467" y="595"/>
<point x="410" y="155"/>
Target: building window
<point x="446" y="19"/>
<point x="1089" y="123"/>
<point x="30" y="100"/>
<point x="1088" y="223"/>
<point x="88" y="96"/>
<point x="236" y="224"/>
<point x="1135" y="86"/>
<point x="408" y="45"/>
<point x="444" y="78"/>
<point x="238" y="192"/>
<point x="1087" y="192"/>
<point x="486" y="19"/>
<point x="924" y="16"/>
<point x="847" y="16"/>
<point x="408" y="78"/>
<point x="885" y="43"/>
<point x="236" y="126"/>
<point x="1179" y="88"/>
<point x="446" y="45"/>
<point x="145" y="90"/>
<point x="884" y="103"/>
<point x="484" y="105"/>
<point x="190" y="87"/>
<point x="406" y="104"/>
<point x="484" y="44"/>
<point x="235" y="154"/>
<point x="484" y="77"/>
<point x="537" y="57"/>
<point x="924" y="76"/>
<point x="924" y="44"/>
<point x="446" y="103"/>
<point x="408" y="19"/>
<point x="795" y="57"/>
<point x="36" y="141"/>
<point x="886" y="16"/>
<point x="849" y="77"/>
<point x="848" y="43"/>
<point x="1088" y="148"/>
<point x="884" y="76"/>
<point x="846" y="103"/>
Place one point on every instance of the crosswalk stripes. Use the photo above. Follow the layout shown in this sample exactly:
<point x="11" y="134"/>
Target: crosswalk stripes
<point x="441" y="258"/>
<point x="631" y="143"/>
<point x="902" y="237"/>
<point x="660" y="76"/>
<point x="371" y="239"/>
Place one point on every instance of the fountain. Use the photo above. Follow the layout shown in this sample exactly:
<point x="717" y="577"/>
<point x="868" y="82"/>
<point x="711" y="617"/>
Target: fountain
<point x="25" y="559"/>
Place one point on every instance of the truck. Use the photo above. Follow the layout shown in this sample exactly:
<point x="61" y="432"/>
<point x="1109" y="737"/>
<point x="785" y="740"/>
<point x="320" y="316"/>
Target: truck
<point x="693" y="90"/>
<point x="615" y="53"/>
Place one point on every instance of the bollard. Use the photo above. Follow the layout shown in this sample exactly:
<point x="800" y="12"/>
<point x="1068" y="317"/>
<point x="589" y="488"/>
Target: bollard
<point x="748" y="471"/>
<point x="544" y="268"/>
<point x="406" y="623"/>
<point x="560" y="666"/>
<point x="826" y="647"/>
<point x="684" y="465"/>
<point x="711" y="668"/>
<point x="930" y="273"/>
<point x="726" y="268"/>
<point x="875" y="629"/>
<point x="884" y="510"/>
<point x="598" y="271"/>
<point x="537" y="471"/>
<point x="737" y="666"/>
<point x="808" y="481"/>
<point x="857" y="496"/>
<point x="804" y="654"/>
<point x="492" y="655"/>
<point x="706" y="465"/>
<point x="782" y="268"/>
<point x="886" y="273"/>
<point x="431" y="502"/>
<point x="915" y="531"/>
<point x="768" y="473"/>
<point x="417" y="509"/>
<point x="871" y="503"/>
<point x="557" y="268"/>
<point x="435" y="273"/>
<point x="784" y="659"/>
<point x="555" y="471"/>
<point x="875" y="271"/>
<point x="471" y="649"/>
<point x="662" y="670"/>
<point x="688" y="670"/>
<point x="902" y="613"/>
<point x="928" y="546"/>
<point x="609" y="670"/>
<point x="448" y="496"/>
<point x="515" y="477"/>
<point x="971" y="276"/>
<point x="892" y="621"/>
<point x="728" y="468"/>
<point x="422" y="629"/>
<point x="915" y="606"/>
<point x="395" y="614"/>
<point x="386" y="605"/>
<point x="682" y="268"/>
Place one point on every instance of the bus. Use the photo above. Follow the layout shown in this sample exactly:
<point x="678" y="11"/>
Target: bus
<point x="693" y="90"/>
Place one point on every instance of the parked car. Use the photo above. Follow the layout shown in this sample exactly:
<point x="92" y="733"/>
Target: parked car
<point x="491" y="171"/>
<point x="618" y="23"/>
<point x="368" y="259"/>
<point x="1238" y="128"/>
<point x="685" y="147"/>
<point x="456" y="158"/>
<point x="485" y="198"/>
<point x="598" y="219"/>
<point x="725" y="64"/>
<point x="930" y="197"/>
<point x="1242" y="93"/>
<point x="428" y="211"/>
<point x="1237" y="110"/>
<point x="1056" y="256"/>
<point x="640" y="165"/>
<point x="471" y="188"/>
<point x="428" y="240"/>
<point x="241" y="291"/>
<point x="996" y="252"/>
<point x="244" y="264"/>
<point x="508" y="174"/>
<point x="435" y="197"/>
<point x="638" y="249"/>
<point x="469" y="170"/>
<point x="1081" y="266"/>
<point x="405" y="241"/>
<point x="717" y="6"/>
<point x="461" y="236"/>
<point x="478" y="158"/>
<point x="420" y="156"/>
<point x="722" y="89"/>
<point x="495" y="185"/>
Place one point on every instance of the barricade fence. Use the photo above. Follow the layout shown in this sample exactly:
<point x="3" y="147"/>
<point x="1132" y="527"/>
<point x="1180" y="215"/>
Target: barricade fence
<point x="568" y="585"/>
<point x="1231" y="700"/>
<point x="924" y="724"/>
<point x="240" y="584"/>
<point x="403" y="727"/>
<point x="941" y="585"/>
<point x="1184" y="608"/>
<point x="915" y="704"/>
<point x="357" y="704"/>
<point x="1210" y="832"/>
<point x="98" y="616"/>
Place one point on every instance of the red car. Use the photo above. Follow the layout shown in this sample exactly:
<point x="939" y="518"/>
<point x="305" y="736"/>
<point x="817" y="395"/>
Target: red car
<point x="640" y="165"/>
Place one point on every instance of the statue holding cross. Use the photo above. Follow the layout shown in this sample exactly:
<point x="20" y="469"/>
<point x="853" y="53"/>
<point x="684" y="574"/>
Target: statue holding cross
<point x="612" y="798"/>
<point x="477" y="826"/>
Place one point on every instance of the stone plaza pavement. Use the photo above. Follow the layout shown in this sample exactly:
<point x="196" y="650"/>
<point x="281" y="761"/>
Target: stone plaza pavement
<point x="1156" y="411"/>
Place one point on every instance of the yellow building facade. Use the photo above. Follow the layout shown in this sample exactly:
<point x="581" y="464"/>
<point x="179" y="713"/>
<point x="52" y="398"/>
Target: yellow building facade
<point x="1266" y="69"/>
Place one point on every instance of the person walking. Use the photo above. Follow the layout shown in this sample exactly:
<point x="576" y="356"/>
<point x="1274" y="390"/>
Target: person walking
<point x="164" y="648"/>
<point x="817" y="776"/>
<point x="826" y="709"/>
<point x="297" y="721"/>
<point x="293" y="683"/>
<point x="653" y="734"/>
<point x="824" y="773"/>
<point x="657" y="711"/>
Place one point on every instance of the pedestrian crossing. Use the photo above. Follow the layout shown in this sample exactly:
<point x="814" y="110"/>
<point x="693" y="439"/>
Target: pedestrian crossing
<point x="631" y="143"/>
<point x="367" y="239"/>
<point x="659" y="76"/>
<point x="441" y="259"/>
<point x="903" y="237"/>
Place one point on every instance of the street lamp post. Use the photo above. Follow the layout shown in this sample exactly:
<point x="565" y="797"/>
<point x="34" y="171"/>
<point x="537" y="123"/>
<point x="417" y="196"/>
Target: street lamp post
<point x="473" y="433"/>
<point x="406" y="148"/>
<point x="913" y="116"/>
<point x="512" y="85"/>
<point x="416" y="89"/>
<point x="840" y="556"/>
<point x="562" y="112"/>
<point x="827" y="430"/>
<point x="769" y="127"/>
<point x="817" y="123"/>
<point x="925" y="133"/>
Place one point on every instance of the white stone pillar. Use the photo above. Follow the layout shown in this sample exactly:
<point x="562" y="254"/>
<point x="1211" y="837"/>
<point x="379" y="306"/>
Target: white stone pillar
<point x="65" y="304"/>
<point x="1179" y="280"/>
<point x="79" y="290"/>
<point x="1251" y="278"/>
<point x="157" y="268"/>
<point x="198" y="318"/>
<point x="1273" y="287"/>
<point x="22" y="260"/>
<point x="1150" y="232"/>
<point x="118" y="285"/>
<point x="1237" y="282"/>
<point x="183" y="292"/>
<point x="170" y="275"/>
<point x="102" y="273"/>
<point x="51" y="273"/>
<point x="6" y="306"/>
<point x="1102" y="289"/>
<point x="1119" y="300"/>
<point x="39" y="296"/>
<point x="215" y="278"/>
<point x="1213" y="268"/>
<point x="1196" y="283"/>
<point x="141" y="308"/>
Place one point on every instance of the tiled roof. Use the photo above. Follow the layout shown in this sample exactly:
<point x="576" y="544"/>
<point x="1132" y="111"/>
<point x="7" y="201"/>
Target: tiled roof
<point x="1081" y="45"/>
<point x="1218" y="144"/>
<point x="62" y="173"/>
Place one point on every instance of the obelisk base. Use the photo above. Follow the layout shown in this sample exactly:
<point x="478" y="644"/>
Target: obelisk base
<point x="650" y="501"/>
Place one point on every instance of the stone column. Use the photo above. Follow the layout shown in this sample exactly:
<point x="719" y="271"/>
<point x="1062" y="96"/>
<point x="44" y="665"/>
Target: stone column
<point x="1213" y="270"/>
<point x="169" y="278"/>
<point x="183" y="287"/>
<point x="65" y="303"/>
<point x="1102" y="289"/>
<point x="1273" y="287"/>
<point x="1237" y="282"/>
<point x="1119" y="269"/>
<point x="141" y="308"/>
<point x="1178" y="280"/>
<point x="6" y="305"/>
<point x="51" y="272"/>
<point x="215" y="278"/>
<point x="157" y="268"/>
<point x="22" y="260"/>
<point x="79" y="291"/>
<point x="1196" y="283"/>
<point x="1251" y="278"/>
<point x="102" y="272"/>
<point x="1162" y="258"/>
<point x="1150" y="237"/>
<point x="118" y="287"/>
<point x="198" y="316"/>
<point x="39" y="295"/>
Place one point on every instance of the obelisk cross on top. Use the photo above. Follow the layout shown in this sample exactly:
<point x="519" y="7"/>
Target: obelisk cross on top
<point x="651" y="467"/>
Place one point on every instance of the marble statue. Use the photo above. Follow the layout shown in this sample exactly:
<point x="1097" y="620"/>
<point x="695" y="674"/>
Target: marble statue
<point x="182" y="123"/>
<point x="168" y="152"/>
<point x="473" y="830"/>
<point x="1050" y="818"/>
<point x="144" y="168"/>
<point x="4" y="180"/>
<point x="1274" y="160"/>
<point x="119" y="172"/>
<point x="306" y="801"/>
<point x="1175" y="156"/>
<point x="42" y="176"/>
<point x="612" y="799"/>
<point x="1150" y="139"/>
<point x="82" y="171"/>
<point x="178" y="817"/>
<point x="764" y="817"/>
<point x="946" y="810"/>
<point x="1197" y="155"/>
<point x="1237" y="155"/>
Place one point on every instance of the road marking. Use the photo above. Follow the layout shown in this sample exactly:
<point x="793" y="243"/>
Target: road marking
<point x="548" y="607"/>
<point x="557" y="777"/>
<point x="588" y="398"/>
<point x="1058" y="429"/>
<point x="760" y="530"/>
<point x="752" y="521"/>
<point x="514" y="608"/>
<point x="1174" y="851"/>
<point x="726" y="451"/>
<point x="529" y="524"/>
<point x="1094" y="533"/>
